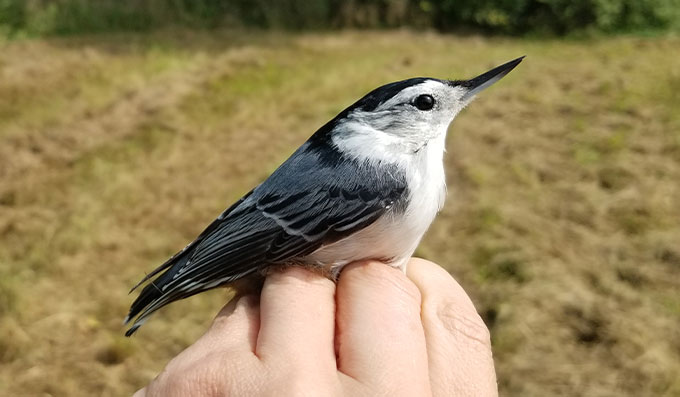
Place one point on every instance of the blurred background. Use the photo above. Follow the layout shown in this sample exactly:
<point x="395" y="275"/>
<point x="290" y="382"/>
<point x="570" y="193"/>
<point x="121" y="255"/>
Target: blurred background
<point x="126" y="126"/>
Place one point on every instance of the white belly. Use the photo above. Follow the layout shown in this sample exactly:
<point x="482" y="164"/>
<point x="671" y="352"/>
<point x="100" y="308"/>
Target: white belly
<point x="394" y="237"/>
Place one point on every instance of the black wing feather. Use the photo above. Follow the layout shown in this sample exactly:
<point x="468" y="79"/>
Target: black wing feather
<point x="179" y="256"/>
<point x="306" y="203"/>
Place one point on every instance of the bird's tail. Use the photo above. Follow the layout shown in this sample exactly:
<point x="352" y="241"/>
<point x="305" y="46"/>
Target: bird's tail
<point x="154" y="296"/>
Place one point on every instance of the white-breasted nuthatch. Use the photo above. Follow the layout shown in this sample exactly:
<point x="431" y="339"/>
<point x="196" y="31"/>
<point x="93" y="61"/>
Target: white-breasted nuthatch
<point x="366" y="185"/>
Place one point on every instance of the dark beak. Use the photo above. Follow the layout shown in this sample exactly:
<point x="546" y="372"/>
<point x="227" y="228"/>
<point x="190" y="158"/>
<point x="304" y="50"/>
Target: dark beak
<point x="483" y="81"/>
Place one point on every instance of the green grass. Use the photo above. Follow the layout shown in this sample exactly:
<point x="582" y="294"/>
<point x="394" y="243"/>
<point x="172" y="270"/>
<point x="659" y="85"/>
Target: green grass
<point x="561" y="219"/>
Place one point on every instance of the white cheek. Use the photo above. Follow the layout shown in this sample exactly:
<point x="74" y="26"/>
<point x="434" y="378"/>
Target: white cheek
<point x="364" y="143"/>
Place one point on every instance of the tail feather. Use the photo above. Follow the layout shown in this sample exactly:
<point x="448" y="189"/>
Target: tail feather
<point x="153" y="292"/>
<point x="156" y="294"/>
<point x="155" y="271"/>
<point x="149" y="294"/>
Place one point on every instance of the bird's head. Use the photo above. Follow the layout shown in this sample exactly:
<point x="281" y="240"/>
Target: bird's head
<point x="402" y="117"/>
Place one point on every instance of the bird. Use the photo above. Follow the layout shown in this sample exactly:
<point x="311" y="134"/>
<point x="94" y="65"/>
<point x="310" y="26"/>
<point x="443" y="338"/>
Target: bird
<point x="366" y="185"/>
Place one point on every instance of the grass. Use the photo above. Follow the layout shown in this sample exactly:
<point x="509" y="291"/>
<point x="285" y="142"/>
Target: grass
<point x="562" y="218"/>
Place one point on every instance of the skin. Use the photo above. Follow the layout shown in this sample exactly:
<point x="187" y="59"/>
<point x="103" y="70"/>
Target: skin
<point x="378" y="332"/>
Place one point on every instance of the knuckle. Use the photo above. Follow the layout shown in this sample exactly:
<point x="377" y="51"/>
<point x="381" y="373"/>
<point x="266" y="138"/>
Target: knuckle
<point x="464" y="323"/>
<point x="186" y="380"/>
<point x="407" y="288"/>
<point x="299" y="377"/>
<point x="246" y="302"/>
<point x="297" y="384"/>
<point x="201" y="380"/>
<point x="380" y="274"/>
<point x="222" y="322"/>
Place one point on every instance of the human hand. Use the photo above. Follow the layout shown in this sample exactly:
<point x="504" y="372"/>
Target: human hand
<point x="378" y="332"/>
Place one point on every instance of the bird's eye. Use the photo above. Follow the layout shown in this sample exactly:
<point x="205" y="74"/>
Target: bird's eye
<point x="424" y="102"/>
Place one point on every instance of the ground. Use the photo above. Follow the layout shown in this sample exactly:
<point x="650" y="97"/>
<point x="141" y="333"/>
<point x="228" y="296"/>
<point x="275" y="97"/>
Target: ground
<point x="562" y="219"/>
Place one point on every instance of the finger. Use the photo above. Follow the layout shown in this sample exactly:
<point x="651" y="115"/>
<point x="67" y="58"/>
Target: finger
<point x="226" y="348"/>
<point x="236" y="326"/>
<point x="234" y="330"/>
<point x="297" y="317"/>
<point x="458" y="343"/>
<point x="379" y="336"/>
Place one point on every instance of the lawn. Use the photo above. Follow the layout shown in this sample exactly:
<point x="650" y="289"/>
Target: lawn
<point x="562" y="219"/>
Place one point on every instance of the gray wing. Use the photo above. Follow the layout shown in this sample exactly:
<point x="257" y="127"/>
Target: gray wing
<point x="310" y="201"/>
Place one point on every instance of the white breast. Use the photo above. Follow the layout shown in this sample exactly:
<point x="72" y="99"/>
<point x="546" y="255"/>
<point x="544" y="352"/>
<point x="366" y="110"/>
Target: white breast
<point x="394" y="238"/>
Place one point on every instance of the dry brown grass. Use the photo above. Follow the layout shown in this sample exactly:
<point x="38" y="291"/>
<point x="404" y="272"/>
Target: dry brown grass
<point x="562" y="219"/>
